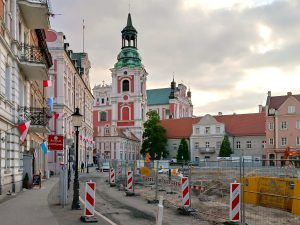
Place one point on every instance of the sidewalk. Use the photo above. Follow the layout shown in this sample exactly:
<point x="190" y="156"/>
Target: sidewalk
<point x="29" y="207"/>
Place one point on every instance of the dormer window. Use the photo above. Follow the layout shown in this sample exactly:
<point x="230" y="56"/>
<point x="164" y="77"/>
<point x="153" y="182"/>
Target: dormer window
<point x="125" y="85"/>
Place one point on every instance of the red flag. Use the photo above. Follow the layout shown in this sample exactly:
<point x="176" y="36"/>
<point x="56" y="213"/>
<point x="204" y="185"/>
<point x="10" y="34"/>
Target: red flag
<point x="47" y="83"/>
<point x="58" y="115"/>
<point x="23" y="128"/>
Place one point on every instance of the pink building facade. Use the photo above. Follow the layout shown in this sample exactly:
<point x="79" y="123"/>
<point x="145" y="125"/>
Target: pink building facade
<point x="282" y="125"/>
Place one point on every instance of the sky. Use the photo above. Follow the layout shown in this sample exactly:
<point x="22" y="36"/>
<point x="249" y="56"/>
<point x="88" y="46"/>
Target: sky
<point x="230" y="53"/>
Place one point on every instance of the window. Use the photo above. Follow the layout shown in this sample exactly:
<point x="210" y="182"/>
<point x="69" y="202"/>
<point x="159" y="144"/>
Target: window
<point x="103" y="116"/>
<point x="263" y="144"/>
<point x="271" y="126"/>
<point x="196" y="145"/>
<point x="283" y="141"/>
<point x="207" y="144"/>
<point x="291" y="109"/>
<point x="125" y="85"/>
<point x="238" y="144"/>
<point x="283" y="125"/>
<point x="249" y="144"/>
<point x="298" y="124"/>
<point x="106" y="131"/>
<point x="102" y="100"/>
<point x="197" y="130"/>
<point x="207" y="130"/>
<point x="218" y="144"/>
<point x="298" y="141"/>
<point x="175" y="146"/>
<point x="271" y="141"/>
<point x="218" y="130"/>
<point x="8" y="82"/>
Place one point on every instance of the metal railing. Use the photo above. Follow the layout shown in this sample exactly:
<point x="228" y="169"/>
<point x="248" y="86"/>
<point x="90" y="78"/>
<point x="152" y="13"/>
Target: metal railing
<point x="37" y="116"/>
<point x="32" y="54"/>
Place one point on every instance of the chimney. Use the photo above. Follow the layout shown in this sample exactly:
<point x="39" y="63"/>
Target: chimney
<point x="269" y="93"/>
<point x="260" y="107"/>
<point x="289" y="94"/>
<point x="219" y="113"/>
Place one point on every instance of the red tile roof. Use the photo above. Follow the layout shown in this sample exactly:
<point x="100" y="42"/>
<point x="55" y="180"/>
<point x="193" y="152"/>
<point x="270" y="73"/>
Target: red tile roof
<point x="277" y="101"/>
<point x="179" y="128"/>
<point x="236" y="125"/>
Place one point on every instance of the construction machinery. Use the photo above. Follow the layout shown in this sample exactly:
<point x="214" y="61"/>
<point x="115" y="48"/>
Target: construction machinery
<point x="293" y="154"/>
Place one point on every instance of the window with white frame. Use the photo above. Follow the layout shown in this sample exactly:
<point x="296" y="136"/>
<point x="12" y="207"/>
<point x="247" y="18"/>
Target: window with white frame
<point x="197" y="130"/>
<point x="196" y="145"/>
<point x="298" y="124"/>
<point x="125" y="85"/>
<point x="207" y="130"/>
<point x="218" y="144"/>
<point x="248" y="144"/>
<point x="263" y="144"/>
<point x="175" y="146"/>
<point x="218" y="130"/>
<point x="207" y="144"/>
<point x="283" y="125"/>
<point x="291" y="109"/>
<point x="283" y="141"/>
<point x="271" y="125"/>
<point x="271" y="141"/>
<point x="238" y="144"/>
<point x="8" y="82"/>
<point x="298" y="141"/>
<point x="106" y="131"/>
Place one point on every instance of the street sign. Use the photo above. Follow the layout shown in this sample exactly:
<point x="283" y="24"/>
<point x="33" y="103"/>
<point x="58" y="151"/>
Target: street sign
<point x="55" y="142"/>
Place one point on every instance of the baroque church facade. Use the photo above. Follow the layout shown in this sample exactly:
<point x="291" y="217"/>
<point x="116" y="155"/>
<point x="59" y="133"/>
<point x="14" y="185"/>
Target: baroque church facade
<point x="120" y="109"/>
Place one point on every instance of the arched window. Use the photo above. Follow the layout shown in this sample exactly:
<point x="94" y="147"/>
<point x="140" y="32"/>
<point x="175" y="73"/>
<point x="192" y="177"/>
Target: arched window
<point x="103" y="116"/>
<point x="125" y="85"/>
<point x="125" y="113"/>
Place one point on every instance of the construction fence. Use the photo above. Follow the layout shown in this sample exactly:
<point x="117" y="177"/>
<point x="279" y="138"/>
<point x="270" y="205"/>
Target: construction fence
<point x="270" y="194"/>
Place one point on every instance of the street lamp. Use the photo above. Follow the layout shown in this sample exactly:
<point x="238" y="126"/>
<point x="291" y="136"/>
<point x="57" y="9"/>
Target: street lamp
<point x="77" y="122"/>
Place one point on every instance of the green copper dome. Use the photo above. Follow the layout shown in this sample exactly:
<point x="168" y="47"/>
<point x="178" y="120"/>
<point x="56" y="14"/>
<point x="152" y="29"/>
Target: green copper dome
<point x="128" y="57"/>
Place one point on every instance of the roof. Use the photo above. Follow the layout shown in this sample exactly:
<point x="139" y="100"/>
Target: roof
<point x="158" y="96"/>
<point x="128" y="135"/>
<point x="179" y="128"/>
<point x="235" y="125"/>
<point x="277" y="101"/>
<point x="129" y="27"/>
<point x="128" y="57"/>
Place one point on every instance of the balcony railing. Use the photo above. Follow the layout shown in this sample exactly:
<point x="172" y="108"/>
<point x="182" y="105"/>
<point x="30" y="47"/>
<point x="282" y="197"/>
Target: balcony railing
<point x="207" y="150"/>
<point x="31" y="54"/>
<point x="39" y="118"/>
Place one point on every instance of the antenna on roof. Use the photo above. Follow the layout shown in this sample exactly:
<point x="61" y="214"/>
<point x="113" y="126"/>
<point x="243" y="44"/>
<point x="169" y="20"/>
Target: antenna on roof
<point x="129" y="6"/>
<point x="83" y="27"/>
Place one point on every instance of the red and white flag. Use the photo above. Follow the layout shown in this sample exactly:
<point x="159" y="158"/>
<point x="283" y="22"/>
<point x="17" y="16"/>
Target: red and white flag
<point x="58" y="115"/>
<point x="23" y="128"/>
<point x="47" y="83"/>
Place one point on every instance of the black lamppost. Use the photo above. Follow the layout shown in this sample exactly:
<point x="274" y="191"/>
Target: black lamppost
<point x="77" y="122"/>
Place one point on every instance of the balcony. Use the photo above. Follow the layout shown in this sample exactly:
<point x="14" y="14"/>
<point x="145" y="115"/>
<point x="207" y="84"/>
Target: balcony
<point x="39" y="118"/>
<point x="209" y="150"/>
<point x="33" y="62"/>
<point x="35" y="13"/>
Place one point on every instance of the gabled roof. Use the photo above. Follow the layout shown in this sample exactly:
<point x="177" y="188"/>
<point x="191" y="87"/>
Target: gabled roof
<point x="277" y="101"/>
<point x="158" y="96"/>
<point x="244" y="124"/>
<point x="179" y="128"/>
<point x="235" y="125"/>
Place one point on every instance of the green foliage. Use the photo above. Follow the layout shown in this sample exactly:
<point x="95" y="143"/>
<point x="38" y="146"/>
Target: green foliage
<point x="183" y="153"/>
<point x="225" y="150"/>
<point x="154" y="137"/>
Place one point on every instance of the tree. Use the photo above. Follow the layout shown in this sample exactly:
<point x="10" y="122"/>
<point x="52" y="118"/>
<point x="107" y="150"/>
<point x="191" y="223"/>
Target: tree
<point x="225" y="150"/>
<point x="154" y="137"/>
<point x="183" y="153"/>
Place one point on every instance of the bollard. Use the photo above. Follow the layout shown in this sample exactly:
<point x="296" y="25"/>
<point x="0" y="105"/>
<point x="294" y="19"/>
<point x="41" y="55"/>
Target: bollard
<point x="129" y="191"/>
<point x="235" y="202"/>
<point x="112" y="177"/>
<point x="89" y="206"/>
<point x="160" y="212"/>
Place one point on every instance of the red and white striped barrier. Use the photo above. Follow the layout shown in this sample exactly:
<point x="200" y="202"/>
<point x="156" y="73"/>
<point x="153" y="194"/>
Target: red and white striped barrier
<point x="235" y="202"/>
<point x="185" y="191"/>
<point x="119" y="171"/>
<point x="89" y="206"/>
<point x="112" y="176"/>
<point x="129" y="181"/>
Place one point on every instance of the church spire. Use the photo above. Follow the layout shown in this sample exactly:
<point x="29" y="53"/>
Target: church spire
<point x="129" y="34"/>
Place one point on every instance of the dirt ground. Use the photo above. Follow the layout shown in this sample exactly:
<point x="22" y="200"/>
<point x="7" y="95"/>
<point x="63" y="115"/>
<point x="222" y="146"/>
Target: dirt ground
<point x="213" y="204"/>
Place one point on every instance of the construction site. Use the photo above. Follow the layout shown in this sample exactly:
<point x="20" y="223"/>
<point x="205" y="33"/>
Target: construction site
<point x="268" y="194"/>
